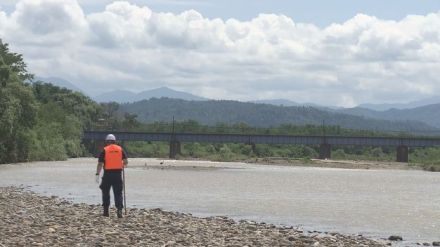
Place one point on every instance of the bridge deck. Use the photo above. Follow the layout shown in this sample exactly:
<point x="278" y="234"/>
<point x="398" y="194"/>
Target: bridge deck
<point x="267" y="139"/>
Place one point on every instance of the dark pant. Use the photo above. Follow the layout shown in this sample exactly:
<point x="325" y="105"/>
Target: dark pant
<point x="112" y="180"/>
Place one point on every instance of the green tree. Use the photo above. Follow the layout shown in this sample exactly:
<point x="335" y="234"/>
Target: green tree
<point x="14" y="63"/>
<point x="17" y="108"/>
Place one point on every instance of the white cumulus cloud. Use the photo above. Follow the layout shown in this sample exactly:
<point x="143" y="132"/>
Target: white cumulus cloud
<point x="126" y="46"/>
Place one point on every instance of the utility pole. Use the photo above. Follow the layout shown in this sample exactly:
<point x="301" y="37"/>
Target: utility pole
<point x="174" y="144"/>
<point x="325" y="148"/>
<point x="173" y="126"/>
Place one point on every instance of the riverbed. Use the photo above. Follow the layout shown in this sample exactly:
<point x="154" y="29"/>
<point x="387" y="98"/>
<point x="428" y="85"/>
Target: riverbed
<point x="374" y="203"/>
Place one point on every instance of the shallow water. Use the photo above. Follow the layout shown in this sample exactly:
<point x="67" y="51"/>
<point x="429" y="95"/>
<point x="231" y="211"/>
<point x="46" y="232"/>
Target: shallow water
<point x="375" y="203"/>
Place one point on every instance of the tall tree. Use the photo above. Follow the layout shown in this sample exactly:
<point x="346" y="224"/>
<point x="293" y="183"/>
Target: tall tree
<point x="17" y="107"/>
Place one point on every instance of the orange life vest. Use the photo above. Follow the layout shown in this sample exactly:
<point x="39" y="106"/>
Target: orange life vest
<point x="113" y="157"/>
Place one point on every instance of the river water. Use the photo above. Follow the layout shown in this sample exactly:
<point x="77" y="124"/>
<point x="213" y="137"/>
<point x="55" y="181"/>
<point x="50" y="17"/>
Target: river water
<point x="375" y="203"/>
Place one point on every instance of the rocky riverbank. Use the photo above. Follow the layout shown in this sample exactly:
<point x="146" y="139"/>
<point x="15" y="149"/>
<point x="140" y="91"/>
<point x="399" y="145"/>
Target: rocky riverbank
<point x="28" y="219"/>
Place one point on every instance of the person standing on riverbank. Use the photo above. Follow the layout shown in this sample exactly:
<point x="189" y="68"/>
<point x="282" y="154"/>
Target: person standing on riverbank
<point x="113" y="159"/>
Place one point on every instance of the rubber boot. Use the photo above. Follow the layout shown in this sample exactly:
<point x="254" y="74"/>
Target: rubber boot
<point x="119" y="213"/>
<point x="105" y="212"/>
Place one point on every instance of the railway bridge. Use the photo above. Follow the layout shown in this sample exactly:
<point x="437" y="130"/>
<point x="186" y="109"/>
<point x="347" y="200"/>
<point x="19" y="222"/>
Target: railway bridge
<point x="402" y="144"/>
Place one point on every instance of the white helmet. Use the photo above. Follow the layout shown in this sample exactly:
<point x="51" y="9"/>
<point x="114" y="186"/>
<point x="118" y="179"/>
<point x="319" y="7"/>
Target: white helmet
<point x="110" y="137"/>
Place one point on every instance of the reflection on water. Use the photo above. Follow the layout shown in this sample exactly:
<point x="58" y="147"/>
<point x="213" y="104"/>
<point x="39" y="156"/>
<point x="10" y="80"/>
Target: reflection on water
<point x="376" y="203"/>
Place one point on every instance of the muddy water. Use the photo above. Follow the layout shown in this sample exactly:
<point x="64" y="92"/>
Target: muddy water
<point x="376" y="203"/>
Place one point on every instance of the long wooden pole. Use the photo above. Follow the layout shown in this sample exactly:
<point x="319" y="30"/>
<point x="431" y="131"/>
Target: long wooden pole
<point x="125" y="198"/>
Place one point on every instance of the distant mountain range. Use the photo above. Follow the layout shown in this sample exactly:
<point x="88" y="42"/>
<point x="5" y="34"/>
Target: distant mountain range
<point x="424" y="112"/>
<point x="122" y="96"/>
<point x="429" y="114"/>
<point x="260" y="115"/>
<point x="410" y="105"/>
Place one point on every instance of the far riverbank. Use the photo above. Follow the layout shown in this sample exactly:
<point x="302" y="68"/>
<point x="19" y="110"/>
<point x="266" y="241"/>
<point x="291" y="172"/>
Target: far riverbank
<point x="328" y="163"/>
<point x="344" y="164"/>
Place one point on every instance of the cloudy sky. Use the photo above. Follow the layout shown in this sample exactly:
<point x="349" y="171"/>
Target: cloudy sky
<point x="338" y="52"/>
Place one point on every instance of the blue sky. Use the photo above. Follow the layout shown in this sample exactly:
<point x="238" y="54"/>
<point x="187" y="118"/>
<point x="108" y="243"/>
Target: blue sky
<point x="319" y="12"/>
<point x="339" y="53"/>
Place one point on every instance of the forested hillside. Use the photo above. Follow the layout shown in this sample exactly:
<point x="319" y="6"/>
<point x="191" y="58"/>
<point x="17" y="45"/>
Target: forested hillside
<point x="259" y="115"/>
<point x="428" y="114"/>
<point x="39" y="121"/>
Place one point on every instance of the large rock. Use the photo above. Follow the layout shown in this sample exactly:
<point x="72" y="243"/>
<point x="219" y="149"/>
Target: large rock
<point x="395" y="238"/>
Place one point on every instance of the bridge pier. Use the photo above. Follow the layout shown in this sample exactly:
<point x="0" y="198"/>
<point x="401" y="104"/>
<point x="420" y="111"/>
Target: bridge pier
<point x="325" y="151"/>
<point x="402" y="154"/>
<point x="174" y="149"/>
<point x="254" y="148"/>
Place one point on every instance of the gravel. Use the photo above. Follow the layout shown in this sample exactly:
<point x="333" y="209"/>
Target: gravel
<point x="28" y="219"/>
